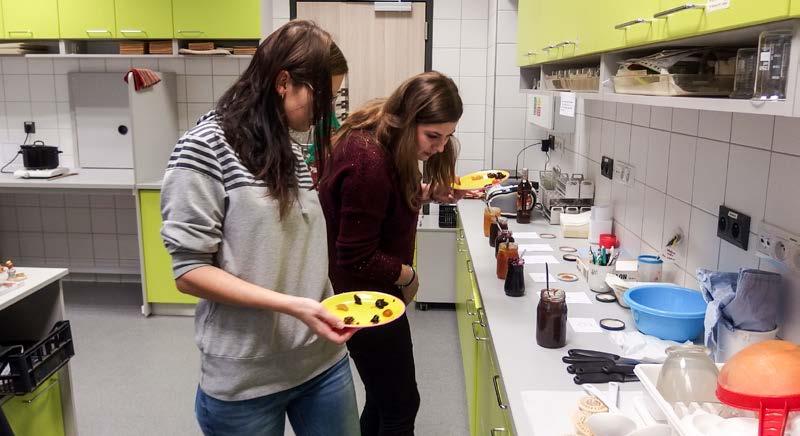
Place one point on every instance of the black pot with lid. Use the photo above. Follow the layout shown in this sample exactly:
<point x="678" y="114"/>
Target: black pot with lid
<point x="39" y="156"/>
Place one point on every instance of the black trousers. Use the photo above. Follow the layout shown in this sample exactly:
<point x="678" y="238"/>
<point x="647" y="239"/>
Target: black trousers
<point x="384" y="359"/>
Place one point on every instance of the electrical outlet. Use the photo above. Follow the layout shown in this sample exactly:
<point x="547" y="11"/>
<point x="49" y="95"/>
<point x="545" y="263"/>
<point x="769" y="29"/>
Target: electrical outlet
<point x="778" y="244"/>
<point x="29" y="126"/>
<point x="733" y="227"/>
<point x="623" y="173"/>
<point x="607" y="167"/>
<point x="548" y="144"/>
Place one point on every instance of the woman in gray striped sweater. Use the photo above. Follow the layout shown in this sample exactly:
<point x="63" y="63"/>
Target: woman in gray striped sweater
<point x="247" y="236"/>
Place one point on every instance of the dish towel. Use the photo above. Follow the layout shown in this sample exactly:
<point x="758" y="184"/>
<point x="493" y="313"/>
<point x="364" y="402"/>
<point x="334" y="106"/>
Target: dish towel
<point x="142" y="78"/>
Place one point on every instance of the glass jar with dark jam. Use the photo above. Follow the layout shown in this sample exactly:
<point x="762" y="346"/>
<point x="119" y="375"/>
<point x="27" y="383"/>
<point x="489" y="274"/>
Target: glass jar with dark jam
<point x="504" y="236"/>
<point x="551" y="319"/>
<point x="500" y="223"/>
<point x="514" y="285"/>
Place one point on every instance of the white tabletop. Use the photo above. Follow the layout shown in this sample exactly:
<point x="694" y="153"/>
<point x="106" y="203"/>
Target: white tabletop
<point x="84" y="179"/>
<point x="37" y="279"/>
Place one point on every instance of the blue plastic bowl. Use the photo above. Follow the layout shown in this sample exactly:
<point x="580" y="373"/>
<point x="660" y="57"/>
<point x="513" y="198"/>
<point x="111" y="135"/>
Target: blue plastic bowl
<point x="667" y="312"/>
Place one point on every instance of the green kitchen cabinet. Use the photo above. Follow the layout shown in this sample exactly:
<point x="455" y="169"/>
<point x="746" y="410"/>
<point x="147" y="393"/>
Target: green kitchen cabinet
<point x="465" y="313"/>
<point x="86" y="19"/>
<point x="2" y="27"/>
<point x="30" y="19"/>
<point x="158" y="278"/>
<point x="214" y="19"/>
<point x="143" y="19"/>
<point x="625" y="24"/>
<point x="492" y="407"/>
<point x="529" y="32"/>
<point x="38" y="413"/>
<point x="682" y="19"/>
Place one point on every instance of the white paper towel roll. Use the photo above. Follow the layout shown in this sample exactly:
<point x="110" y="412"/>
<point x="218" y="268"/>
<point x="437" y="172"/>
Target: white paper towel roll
<point x="598" y="227"/>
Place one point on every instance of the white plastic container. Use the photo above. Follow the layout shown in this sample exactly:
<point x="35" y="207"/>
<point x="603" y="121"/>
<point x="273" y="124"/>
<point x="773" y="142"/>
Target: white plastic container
<point x="597" y="228"/>
<point x="596" y="276"/>
<point x="650" y="268"/>
<point x="731" y="342"/>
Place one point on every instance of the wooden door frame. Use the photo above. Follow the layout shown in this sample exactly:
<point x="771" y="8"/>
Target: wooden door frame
<point x="428" y="22"/>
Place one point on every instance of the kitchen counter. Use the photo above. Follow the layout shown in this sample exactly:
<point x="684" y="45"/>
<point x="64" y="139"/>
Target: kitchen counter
<point x="430" y="223"/>
<point x="37" y="279"/>
<point x="85" y="179"/>
<point x="523" y="365"/>
<point x="155" y="184"/>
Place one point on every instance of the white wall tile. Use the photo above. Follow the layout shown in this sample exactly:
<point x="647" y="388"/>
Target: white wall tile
<point x="509" y="123"/>
<point x="685" y="121"/>
<point x="786" y="138"/>
<point x="151" y="64"/>
<point x="104" y="221"/>
<point x="76" y="200"/>
<point x="677" y="215"/>
<point x="125" y="221"/>
<point x="595" y="138"/>
<point x="79" y="220"/>
<point x="472" y="145"/>
<point x="183" y="116"/>
<point x="124" y="201"/>
<point x="505" y="152"/>
<point x="472" y="90"/>
<point x="507" y="93"/>
<point x="594" y="108"/>
<point x="640" y="138"/>
<point x="447" y="61"/>
<point x="731" y="257"/>
<point x="9" y="243"/>
<point x="16" y="87"/>
<point x="609" y="110"/>
<point x="64" y="66"/>
<point x="447" y="9"/>
<point x="681" y="166"/>
<point x="54" y="219"/>
<point x="472" y="120"/>
<point x="15" y="65"/>
<point x="180" y="84"/>
<point x="62" y="87"/>
<point x="118" y="65"/>
<point x="173" y="65"/>
<point x="17" y="113"/>
<point x="641" y="115"/>
<point x="507" y="26"/>
<point x="105" y="246"/>
<point x="29" y="219"/>
<point x="622" y="141"/>
<point x="43" y="87"/>
<point x="474" y="9"/>
<point x="278" y="22"/>
<point x="657" y="158"/>
<point x="507" y="5"/>
<point x="280" y="9"/>
<point x="222" y="84"/>
<point x="602" y="193"/>
<point x="783" y="201"/>
<point x="753" y="130"/>
<point x="244" y="63"/>
<point x="653" y="216"/>
<point x="197" y="110"/>
<point x="473" y="33"/>
<point x="715" y="125"/>
<point x="473" y="62"/>
<point x="446" y="33"/>
<point x="45" y="114"/>
<point x="634" y="212"/>
<point x="624" y="112"/>
<point x="746" y="185"/>
<point x="507" y="60"/>
<point x="661" y="117"/>
<point x="128" y="247"/>
<point x="40" y="66"/>
<point x="710" y="174"/>
<point x="67" y="145"/>
<point x="619" y="199"/>
<point x="92" y="65"/>
<point x="31" y="244"/>
<point x="607" y="140"/>
<point x="8" y="219"/>
<point x="55" y="245"/>
<point x="703" y="250"/>
<point x="52" y="200"/>
<point x="48" y="136"/>
<point x="64" y="116"/>
<point x="468" y="166"/>
<point x="198" y="66"/>
<point x="199" y="89"/>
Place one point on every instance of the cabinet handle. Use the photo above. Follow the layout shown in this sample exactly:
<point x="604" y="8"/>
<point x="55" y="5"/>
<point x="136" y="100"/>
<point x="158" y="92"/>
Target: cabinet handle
<point x="190" y="31"/>
<point x="131" y="31"/>
<point x="462" y="250"/>
<point x="563" y="43"/>
<point x="497" y="430"/>
<point x="625" y="25"/>
<point x="42" y="392"/>
<point x="473" y="306"/>
<point x="469" y="266"/>
<point x="548" y="48"/>
<point x="500" y="404"/>
<point x="29" y="32"/>
<point x="90" y="31"/>
<point x="481" y="317"/>
<point x="681" y="8"/>
<point x="530" y="53"/>
<point x="475" y="334"/>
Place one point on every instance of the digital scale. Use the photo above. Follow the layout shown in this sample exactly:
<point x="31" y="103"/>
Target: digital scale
<point x="40" y="174"/>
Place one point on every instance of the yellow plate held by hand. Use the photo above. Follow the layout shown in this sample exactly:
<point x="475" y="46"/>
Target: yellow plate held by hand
<point x="365" y="309"/>
<point x="479" y="180"/>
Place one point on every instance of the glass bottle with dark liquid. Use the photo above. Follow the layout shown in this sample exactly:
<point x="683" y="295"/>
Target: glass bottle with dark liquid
<point x="524" y="199"/>
<point x="498" y="225"/>
<point x="505" y="236"/>
<point x="551" y="319"/>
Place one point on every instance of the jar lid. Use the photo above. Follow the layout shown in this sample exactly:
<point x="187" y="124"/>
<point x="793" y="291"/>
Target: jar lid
<point x="553" y="294"/>
<point x="502" y="220"/>
<point x="612" y="324"/>
<point x="649" y="258"/>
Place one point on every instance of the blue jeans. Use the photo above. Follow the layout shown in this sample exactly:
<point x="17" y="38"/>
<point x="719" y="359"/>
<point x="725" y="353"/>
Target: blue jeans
<point x="324" y="405"/>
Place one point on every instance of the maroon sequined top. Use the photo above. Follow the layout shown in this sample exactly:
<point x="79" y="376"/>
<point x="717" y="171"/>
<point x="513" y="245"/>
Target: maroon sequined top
<point x="371" y="229"/>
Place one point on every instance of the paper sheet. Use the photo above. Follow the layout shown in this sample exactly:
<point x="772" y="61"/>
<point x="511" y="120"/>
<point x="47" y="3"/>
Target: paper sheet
<point x="534" y="247"/>
<point x="540" y="278"/>
<point x="578" y="298"/>
<point x="532" y="260"/>
<point x="567" y="107"/>
<point x="550" y="412"/>
<point x="526" y="235"/>
<point x="585" y="325"/>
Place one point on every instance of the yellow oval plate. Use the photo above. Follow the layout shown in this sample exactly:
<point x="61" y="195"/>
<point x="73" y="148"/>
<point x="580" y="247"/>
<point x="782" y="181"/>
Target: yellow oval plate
<point x="362" y="313"/>
<point x="478" y="180"/>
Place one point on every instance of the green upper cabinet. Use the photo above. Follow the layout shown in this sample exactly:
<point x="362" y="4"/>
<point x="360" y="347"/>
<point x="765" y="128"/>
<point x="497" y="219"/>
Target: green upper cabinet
<point x="627" y="23"/>
<point x="25" y="19"/>
<point x="86" y="19"/>
<point x="144" y="19"/>
<point x="794" y="8"/>
<point x="528" y="32"/>
<point x="214" y="19"/>
<point x="2" y="29"/>
<point x="682" y="19"/>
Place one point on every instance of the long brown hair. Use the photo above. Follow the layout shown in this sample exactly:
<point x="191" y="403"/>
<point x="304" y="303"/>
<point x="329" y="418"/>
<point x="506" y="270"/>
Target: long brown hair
<point x="427" y="98"/>
<point x="252" y="113"/>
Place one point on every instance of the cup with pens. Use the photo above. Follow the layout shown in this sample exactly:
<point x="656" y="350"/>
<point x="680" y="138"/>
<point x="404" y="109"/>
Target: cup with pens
<point x="603" y="263"/>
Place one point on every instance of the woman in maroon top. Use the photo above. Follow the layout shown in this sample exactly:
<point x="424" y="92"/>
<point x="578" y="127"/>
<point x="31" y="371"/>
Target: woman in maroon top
<point x="371" y="194"/>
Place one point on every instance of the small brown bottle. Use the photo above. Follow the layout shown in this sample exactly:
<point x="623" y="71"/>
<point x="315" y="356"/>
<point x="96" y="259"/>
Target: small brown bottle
<point x="524" y="199"/>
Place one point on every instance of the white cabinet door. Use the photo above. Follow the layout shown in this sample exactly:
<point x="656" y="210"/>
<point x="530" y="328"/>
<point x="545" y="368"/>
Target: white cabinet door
<point x="102" y="120"/>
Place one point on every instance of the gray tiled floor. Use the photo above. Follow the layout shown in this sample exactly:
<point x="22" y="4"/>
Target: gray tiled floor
<point x="137" y="376"/>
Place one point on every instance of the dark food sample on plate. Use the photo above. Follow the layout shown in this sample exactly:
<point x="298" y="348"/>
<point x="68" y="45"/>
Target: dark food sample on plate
<point x="380" y="303"/>
<point x="375" y="319"/>
<point x="349" y="320"/>
<point x="357" y="298"/>
<point x="387" y="313"/>
<point x="342" y="307"/>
